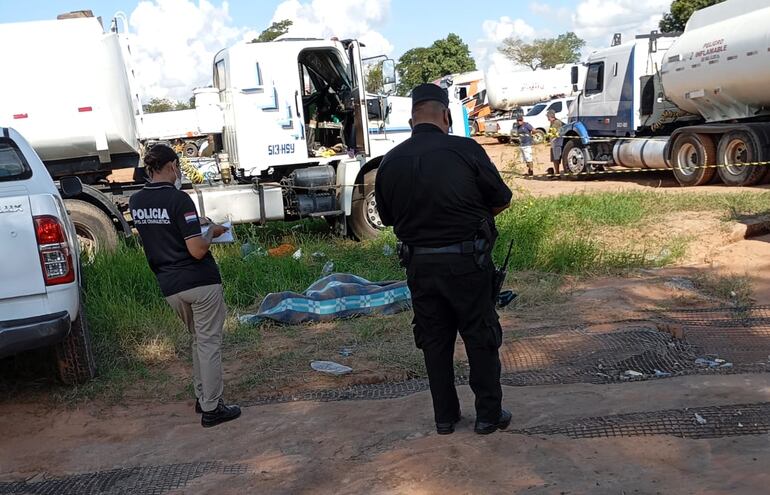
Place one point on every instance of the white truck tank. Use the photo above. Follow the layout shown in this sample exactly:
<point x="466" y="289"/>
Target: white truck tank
<point x="66" y="89"/>
<point x="720" y="67"/>
<point x="507" y="90"/>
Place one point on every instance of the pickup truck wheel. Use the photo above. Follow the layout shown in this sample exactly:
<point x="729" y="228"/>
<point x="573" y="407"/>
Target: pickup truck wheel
<point x="693" y="157"/>
<point x="575" y="158"/>
<point x="538" y="136"/>
<point x="364" y="221"/>
<point x="735" y="149"/>
<point x="503" y="139"/>
<point x="74" y="355"/>
<point x="95" y="229"/>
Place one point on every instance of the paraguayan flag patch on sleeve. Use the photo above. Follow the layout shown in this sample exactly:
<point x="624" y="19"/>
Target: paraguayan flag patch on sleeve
<point x="191" y="217"/>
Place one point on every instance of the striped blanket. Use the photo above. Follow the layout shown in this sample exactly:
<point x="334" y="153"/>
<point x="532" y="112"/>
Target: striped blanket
<point x="339" y="295"/>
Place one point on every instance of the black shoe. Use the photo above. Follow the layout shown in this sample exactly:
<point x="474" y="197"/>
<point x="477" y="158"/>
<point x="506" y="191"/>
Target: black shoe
<point x="220" y="415"/>
<point x="483" y="428"/>
<point x="198" y="409"/>
<point x="447" y="428"/>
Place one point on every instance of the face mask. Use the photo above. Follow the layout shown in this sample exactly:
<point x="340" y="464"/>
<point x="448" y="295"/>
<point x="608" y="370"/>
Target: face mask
<point x="178" y="181"/>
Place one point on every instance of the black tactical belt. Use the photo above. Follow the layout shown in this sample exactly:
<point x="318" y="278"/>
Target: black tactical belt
<point x="465" y="247"/>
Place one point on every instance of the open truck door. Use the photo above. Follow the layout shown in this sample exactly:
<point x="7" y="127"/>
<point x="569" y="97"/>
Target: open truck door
<point x="358" y="94"/>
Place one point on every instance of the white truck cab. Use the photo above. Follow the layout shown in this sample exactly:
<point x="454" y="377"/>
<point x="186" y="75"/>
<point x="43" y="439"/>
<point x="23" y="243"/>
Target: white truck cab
<point x="40" y="297"/>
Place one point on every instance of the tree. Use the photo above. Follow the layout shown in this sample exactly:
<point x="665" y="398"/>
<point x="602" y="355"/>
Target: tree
<point x="374" y="79"/>
<point x="156" y="105"/>
<point x="544" y="53"/>
<point x="681" y="10"/>
<point x="445" y="56"/>
<point x="275" y="30"/>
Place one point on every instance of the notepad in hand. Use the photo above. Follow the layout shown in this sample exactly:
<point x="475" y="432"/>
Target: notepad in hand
<point x="225" y="238"/>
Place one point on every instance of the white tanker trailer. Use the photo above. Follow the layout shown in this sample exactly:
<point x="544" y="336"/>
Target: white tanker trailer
<point x="508" y="90"/>
<point x="697" y="104"/>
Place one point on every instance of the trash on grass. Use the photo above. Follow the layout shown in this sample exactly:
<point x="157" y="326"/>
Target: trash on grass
<point x="297" y="254"/>
<point x="346" y="352"/>
<point x="633" y="374"/>
<point x="700" y="419"/>
<point x="331" y="367"/>
<point x="318" y="255"/>
<point x="328" y="268"/>
<point x="387" y="250"/>
<point x="282" y="250"/>
<point x="662" y="374"/>
<point x="249" y="250"/>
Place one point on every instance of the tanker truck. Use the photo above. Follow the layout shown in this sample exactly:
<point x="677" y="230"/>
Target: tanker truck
<point x="696" y="104"/>
<point x="531" y="93"/>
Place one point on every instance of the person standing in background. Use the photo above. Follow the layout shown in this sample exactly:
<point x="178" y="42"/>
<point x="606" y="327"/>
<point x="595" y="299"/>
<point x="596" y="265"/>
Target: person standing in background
<point x="524" y="132"/>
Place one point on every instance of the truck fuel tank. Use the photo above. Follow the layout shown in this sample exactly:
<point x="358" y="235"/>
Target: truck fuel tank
<point x="238" y="203"/>
<point x="640" y="153"/>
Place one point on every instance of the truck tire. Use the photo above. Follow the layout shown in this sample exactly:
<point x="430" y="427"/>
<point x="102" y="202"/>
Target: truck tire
<point x="735" y="148"/>
<point x="574" y="160"/>
<point x="538" y="136"/>
<point x="96" y="231"/>
<point x="190" y="149"/>
<point x="693" y="158"/>
<point x="74" y="356"/>
<point x="503" y="139"/>
<point x="364" y="219"/>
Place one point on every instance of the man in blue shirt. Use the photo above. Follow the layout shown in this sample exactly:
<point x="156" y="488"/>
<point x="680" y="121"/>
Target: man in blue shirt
<point x="524" y="131"/>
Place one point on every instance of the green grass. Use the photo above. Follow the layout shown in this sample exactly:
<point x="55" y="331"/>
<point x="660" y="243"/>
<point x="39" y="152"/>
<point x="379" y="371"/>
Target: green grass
<point x="137" y="337"/>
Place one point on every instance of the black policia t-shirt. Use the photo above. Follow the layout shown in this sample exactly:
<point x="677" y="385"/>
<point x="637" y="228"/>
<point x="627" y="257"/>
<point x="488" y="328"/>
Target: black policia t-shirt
<point x="165" y="218"/>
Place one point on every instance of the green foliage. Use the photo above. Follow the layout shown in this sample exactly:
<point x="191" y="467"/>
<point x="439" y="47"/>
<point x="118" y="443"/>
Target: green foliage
<point x="544" y="53"/>
<point x="421" y="65"/>
<point x="681" y="10"/>
<point x="275" y="30"/>
<point x="156" y="105"/>
<point x="374" y="79"/>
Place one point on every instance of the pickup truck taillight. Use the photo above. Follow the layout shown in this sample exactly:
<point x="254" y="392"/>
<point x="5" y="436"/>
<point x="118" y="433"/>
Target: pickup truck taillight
<point x="55" y="256"/>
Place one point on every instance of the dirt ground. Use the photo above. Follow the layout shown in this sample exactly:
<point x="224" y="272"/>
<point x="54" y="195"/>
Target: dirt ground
<point x="390" y="446"/>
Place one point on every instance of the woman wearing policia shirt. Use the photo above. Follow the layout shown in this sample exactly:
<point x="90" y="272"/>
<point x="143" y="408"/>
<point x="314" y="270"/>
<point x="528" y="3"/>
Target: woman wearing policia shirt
<point x="188" y="276"/>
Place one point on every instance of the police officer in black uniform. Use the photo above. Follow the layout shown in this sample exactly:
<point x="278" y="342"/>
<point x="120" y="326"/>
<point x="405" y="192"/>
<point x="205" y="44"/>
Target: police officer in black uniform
<point x="441" y="194"/>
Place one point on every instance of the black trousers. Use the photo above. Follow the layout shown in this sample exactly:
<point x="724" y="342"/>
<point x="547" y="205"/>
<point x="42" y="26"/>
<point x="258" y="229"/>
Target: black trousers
<point x="450" y="293"/>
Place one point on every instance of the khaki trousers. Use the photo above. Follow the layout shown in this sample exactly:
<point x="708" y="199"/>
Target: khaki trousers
<point x="203" y="311"/>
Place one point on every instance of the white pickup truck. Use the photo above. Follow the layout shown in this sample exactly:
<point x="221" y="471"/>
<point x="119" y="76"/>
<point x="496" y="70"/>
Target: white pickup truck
<point x="40" y="279"/>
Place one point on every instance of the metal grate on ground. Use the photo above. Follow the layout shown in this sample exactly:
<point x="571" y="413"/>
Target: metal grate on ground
<point x="695" y="423"/>
<point x="151" y="480"/>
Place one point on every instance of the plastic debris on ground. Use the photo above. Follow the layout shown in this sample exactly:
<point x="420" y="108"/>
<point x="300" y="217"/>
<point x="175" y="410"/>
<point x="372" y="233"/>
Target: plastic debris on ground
<point x="700" y="419"/>
<point x="632" y="374"/>
<point x="328" y="268"/>
<point x="662" y="374"/>
<point x="282" y="250"/>
<point x="318" y="255"/>
<point x="346" y="351"/>
<point x="713" y="362"/>
<point x="248" y="250"/>
<point x="331" y="367"/>
<point x="297" y="254"/>
<point x="249" y="319"/>
<point x="387" y="250"/>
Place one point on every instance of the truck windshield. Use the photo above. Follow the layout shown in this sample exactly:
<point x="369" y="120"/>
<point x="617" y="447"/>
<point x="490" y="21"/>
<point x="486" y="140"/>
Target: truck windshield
<point x="536" y="109"/>
<point x="13" y="166"/>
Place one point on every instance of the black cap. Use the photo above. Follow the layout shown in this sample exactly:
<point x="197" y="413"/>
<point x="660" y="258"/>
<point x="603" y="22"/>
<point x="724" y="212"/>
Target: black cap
<point x="429" y="92"/>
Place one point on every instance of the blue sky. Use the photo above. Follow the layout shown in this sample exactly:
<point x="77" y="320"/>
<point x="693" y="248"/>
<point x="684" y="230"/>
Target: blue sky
<point x="173" y="41"/>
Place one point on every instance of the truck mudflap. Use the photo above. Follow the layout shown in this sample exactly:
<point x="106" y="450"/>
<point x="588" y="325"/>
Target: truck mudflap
<point x="104" y="203"/>
<point x="568" y="131"/>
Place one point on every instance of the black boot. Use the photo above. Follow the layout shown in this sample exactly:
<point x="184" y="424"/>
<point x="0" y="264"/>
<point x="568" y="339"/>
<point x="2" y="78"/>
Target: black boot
<point x="448" y="428"/>
<point x="220" y="415"/>
<point x="483" y="428"/>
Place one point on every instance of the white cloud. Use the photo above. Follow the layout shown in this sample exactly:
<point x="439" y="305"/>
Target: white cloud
<point x="546" y="10"/>
<point x="173" y="44"/>
<point x="341" y="18"/>
<point x="495" y="31"/>
<point x="597" y="20"/>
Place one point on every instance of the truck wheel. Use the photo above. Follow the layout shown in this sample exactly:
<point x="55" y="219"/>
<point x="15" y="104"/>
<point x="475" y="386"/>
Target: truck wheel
<point x="575" y="158"/>
<point x="693" y="158"/>
<point x="365" y="222"/>
<point x="735" y="149"/>
<point x="538" y="136"/>
<point x="74" y="355"/>
<point x="503" y="139"/>
<point x="95" y="229"/>
<point x="190" y="149"/>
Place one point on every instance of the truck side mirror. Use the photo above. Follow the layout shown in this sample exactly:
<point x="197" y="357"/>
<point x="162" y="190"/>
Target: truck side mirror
<point x="388" y="72"/>
<point x="574" y="75"/>
<point x="70" y="187"/>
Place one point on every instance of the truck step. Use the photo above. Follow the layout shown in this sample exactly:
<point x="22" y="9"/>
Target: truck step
<point x="601" y="162"/>
<point x="332" y="213"/>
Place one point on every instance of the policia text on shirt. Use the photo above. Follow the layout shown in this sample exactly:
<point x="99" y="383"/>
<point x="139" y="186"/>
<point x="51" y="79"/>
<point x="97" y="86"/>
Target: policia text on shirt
<point x="441" y="193"/>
